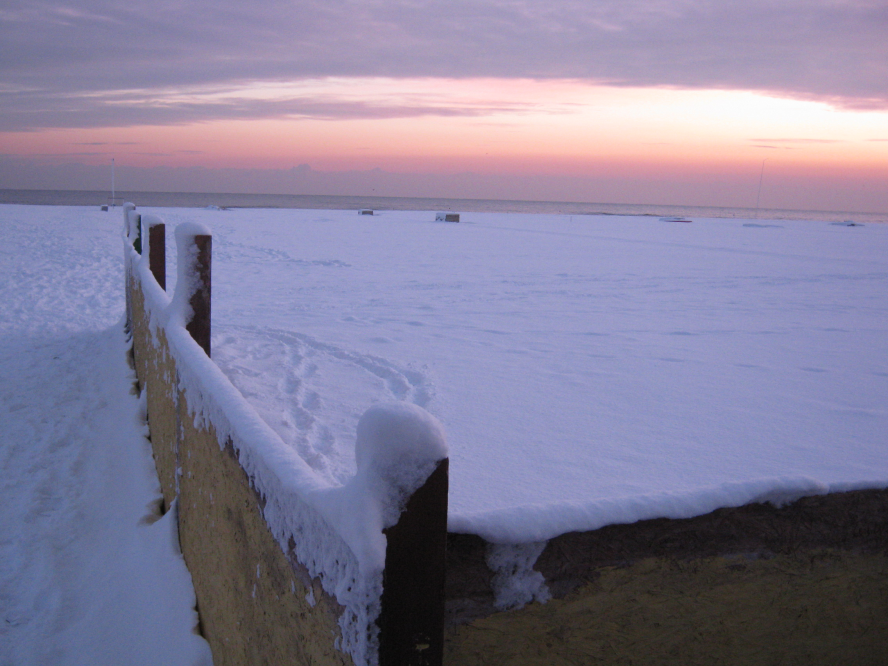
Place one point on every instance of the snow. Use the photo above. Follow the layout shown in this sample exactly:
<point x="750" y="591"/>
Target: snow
<point x="89" y="573"/>
<point x="187" y="279"/>
<point x="586" y="370"/>
<point x="515" y="583"/>
<point x="394" y="442"/>
<point x="397" y="447"/>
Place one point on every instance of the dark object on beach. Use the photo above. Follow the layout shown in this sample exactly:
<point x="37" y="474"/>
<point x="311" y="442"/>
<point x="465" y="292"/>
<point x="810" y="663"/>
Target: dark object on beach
<point x="365" y="211"/>
<point x="447" y="217"/>
<point x="674" y="219"/>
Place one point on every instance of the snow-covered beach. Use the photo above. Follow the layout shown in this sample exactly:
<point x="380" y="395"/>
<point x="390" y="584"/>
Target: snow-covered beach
<point x="588" y="370"/>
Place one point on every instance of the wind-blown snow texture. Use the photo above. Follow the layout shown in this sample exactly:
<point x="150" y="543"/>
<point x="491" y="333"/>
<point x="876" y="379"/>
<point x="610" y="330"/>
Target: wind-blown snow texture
<point x="88" y="573"/>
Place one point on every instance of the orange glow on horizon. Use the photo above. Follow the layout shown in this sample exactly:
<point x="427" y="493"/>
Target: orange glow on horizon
<point x="565" y="128"/>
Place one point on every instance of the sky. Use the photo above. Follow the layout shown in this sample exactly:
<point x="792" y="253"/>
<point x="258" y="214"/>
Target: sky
<point x="687" y="102"/>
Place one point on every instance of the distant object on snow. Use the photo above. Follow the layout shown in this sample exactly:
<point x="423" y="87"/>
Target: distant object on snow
<point x="446" y="217"/>
<point x="365" y="211"/>
<point x="847" y="223"/>
<point x="105" y="208"/>
<point x="674" y="219"/>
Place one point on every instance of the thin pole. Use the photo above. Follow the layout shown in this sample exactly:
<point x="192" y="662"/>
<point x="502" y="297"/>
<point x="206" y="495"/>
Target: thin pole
<point x="113" y="197"/>
<point x="759" y="195"/>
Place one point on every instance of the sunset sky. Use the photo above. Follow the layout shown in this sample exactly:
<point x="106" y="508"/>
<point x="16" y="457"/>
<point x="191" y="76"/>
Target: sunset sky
<point x="615" y="101"/>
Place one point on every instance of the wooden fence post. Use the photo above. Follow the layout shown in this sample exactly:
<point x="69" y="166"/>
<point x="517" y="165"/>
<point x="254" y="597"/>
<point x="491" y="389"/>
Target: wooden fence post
<point x="137" y="241"/>
<point x="411" y="623"/>
<point x="157" y="253"/>
<point x="199" y="326"/>
<point x="128" y="214"/>
<point x="127" y="273"/>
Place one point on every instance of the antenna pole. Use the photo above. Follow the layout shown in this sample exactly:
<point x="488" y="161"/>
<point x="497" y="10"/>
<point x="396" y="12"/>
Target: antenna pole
<point x="759" y="195"/>
<point x="112" y="183"/>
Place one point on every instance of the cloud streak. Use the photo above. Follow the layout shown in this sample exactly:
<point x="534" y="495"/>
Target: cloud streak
<point x="75" y="65"/>
<point x="798" y="141"/>
<point x="127" y="108"/>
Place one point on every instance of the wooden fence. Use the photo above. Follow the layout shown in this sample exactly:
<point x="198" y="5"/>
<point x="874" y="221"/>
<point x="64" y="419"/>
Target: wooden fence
<point x="258" y="604"/>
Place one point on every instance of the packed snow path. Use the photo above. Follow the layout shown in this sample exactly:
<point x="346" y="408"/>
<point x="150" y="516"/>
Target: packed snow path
<point x="89" y="573"/>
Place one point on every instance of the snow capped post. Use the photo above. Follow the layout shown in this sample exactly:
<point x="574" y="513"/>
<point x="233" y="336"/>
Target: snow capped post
<point x="402" y="457"/>
<point x="156" y="236"/>
<point x="136" y="221"/>
<point x="128" y="209"/>
<point x="195" y="249"/>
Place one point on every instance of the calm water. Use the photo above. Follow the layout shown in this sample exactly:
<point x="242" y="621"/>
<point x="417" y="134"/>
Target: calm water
<point x="324" y="202"/>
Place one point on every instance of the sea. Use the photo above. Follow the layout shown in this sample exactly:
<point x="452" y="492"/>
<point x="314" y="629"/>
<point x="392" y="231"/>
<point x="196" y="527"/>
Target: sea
<point x="331" y="202"/>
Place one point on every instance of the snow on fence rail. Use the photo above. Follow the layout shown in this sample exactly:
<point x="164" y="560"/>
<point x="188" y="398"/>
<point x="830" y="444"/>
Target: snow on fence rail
<point x="286" y="567"/>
